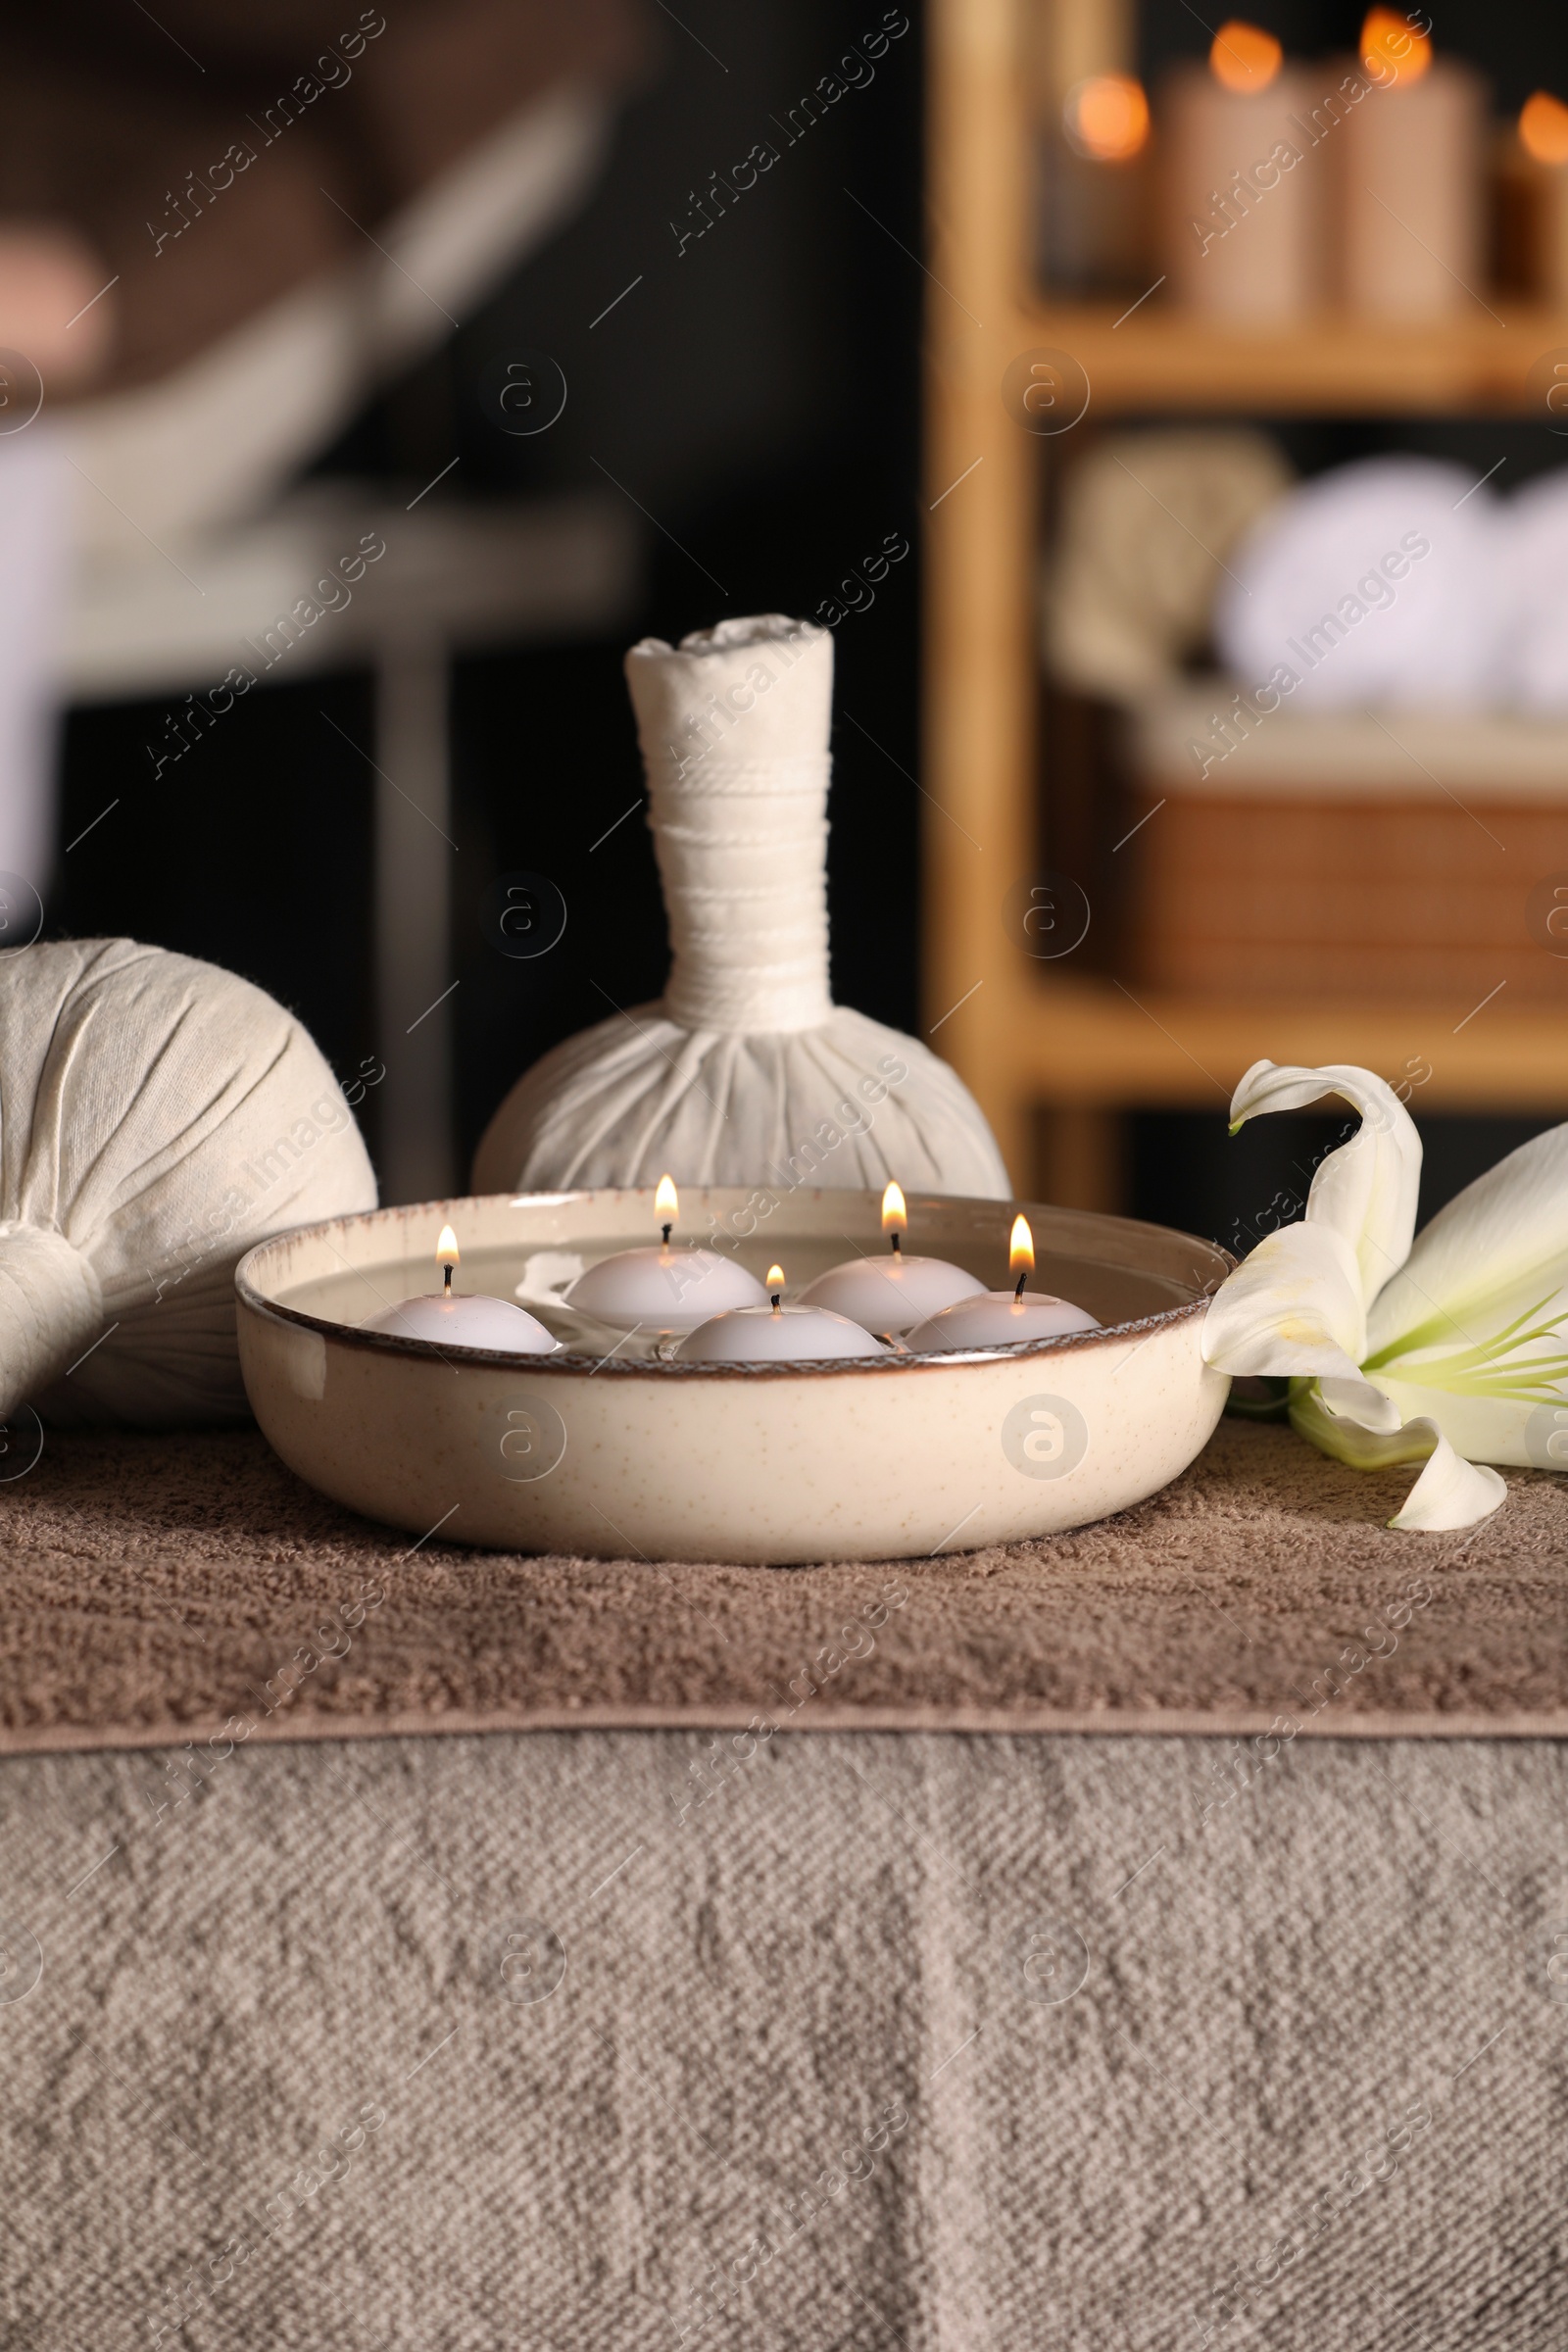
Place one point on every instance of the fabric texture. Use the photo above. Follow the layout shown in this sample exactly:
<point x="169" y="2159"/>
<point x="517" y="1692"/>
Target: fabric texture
<point x="158" y="1117"/>
<point x="1149" y="521"/>
<point x="941" y="2043"/>
<point x="717" y="2034"/>
<point x="157" y="1587"/>
<point x="745" y="1072"/>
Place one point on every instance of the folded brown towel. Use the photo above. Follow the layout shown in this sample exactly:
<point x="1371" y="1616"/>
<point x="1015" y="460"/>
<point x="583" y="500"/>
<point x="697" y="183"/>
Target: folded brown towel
<point x="190" y="1588"/>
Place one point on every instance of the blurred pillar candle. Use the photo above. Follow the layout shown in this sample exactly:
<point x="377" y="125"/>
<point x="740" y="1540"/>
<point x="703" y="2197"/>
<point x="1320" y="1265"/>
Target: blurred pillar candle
<point x="1538" y="166"/>
<point x="1094" y="185"/>
<point x="1411" y="171"/>
<point x="1242" y="195"/>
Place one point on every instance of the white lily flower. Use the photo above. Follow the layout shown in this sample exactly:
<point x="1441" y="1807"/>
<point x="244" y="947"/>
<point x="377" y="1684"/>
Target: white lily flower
<point x="1452" y="1349"/>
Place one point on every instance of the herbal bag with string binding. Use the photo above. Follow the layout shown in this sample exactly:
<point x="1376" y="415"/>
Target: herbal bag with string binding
<point x="157" y="1117"/>
<point x="746" y="1072"/>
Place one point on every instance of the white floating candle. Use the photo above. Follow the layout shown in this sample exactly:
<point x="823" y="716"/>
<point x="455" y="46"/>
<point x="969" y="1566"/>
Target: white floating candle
<point x="896" y="1291"/>
<point x="776" y="1334"/>
<point x="466" y="1319"/>
<point x="664" y="1289"/>
<point x="996" y="1318"/>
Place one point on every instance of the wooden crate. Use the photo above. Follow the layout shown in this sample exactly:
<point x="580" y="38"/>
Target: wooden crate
<point x="1409" y="858"/>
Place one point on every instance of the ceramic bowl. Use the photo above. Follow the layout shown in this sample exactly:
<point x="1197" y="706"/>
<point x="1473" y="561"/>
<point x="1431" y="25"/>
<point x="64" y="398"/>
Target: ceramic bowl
<point x="605" y="1449"/>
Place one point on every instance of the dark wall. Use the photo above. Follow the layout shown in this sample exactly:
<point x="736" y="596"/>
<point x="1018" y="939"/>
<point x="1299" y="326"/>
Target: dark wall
<point x="1521" y="45"/>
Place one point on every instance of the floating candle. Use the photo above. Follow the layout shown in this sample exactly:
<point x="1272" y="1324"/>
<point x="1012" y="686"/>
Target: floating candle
<point x="466" y="1319"/>
<point x="995" y="1318"/>
<point x="776" y="1334"/>
<point x="893" y="1292"/>
<point x="664" y="1289"/>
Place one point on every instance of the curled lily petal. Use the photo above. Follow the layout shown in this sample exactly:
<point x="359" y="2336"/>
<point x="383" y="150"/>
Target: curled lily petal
<point x="1450" y="1492"/>
<point x="1295" y="1307"/>
<point x="1366" y="1189"/>
<point x="1359" y="1402"/>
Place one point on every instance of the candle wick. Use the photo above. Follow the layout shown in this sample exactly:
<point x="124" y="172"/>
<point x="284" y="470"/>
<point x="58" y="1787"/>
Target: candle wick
<point x="1018" y="1291"/>
<point x="778" y="1295"/>
<point x="894" y="1241"/>
<point x="664" y="1230"/>
<point x="446" y="1287"/>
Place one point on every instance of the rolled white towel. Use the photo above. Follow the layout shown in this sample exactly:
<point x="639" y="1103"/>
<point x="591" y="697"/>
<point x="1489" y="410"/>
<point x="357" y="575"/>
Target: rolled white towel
<point x="1532" y="570"/>
<point x="1377" y="585"/>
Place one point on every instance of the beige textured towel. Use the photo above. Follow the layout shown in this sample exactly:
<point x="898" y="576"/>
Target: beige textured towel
<point x="898" y="2043"/>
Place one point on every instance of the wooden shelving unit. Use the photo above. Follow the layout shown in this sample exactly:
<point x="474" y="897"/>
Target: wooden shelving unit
<point x="1026" y="1037"/>
<point x="1154" y="359"/>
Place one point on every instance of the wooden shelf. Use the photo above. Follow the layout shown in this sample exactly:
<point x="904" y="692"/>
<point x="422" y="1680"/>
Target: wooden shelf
<point x="1030" y="1041"/>
<point x="1093" y="1042"/>
<point x="1159" y="358"/>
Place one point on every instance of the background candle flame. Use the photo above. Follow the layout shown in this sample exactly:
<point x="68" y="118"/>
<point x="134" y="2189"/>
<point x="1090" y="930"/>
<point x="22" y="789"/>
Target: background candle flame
<point x="1394" y="43"/>
<point x="1106" y="118"/>
<point x="1021" y="1248"/>
<point x="894" y="1212"/>
<point x="775" y="1278"/>
<point x="1244" y="56"/>
<point x="1544" y="129"/>
<point x="446" y="1249"/>
<point x="667" y="1201"/>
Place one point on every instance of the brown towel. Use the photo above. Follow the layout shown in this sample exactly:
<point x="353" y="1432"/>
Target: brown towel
<point x="190" y="1588"/>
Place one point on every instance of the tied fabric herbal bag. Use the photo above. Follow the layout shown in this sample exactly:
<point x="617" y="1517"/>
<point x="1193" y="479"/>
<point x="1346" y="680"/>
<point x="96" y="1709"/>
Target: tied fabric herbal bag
<point x="746" y="1072"/>
<point x="158" y="1117"/>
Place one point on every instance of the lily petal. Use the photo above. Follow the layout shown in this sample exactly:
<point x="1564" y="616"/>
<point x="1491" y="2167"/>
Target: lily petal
<point x="1481" y="1307"/>
<point x="1366" y="1189"/>
<point x="1450" y="1492"/>
<point x="1506" y="1430"/>
<point x="1293" y="1306"/>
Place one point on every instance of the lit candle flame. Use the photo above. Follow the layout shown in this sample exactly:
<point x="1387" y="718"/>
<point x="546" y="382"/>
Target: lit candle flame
<point x="895" y="1216"/>
<point x="1544" y="129"/>
<point x="667" y="1201"/>
<point x="1021" y="1252"/>
<point x="775" y="1285"/>
<point x="1389" y="41"/>
<point x="446" y="1249"/>
<point x="1244" y="56"/>
<point x="1106" y="118"/>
